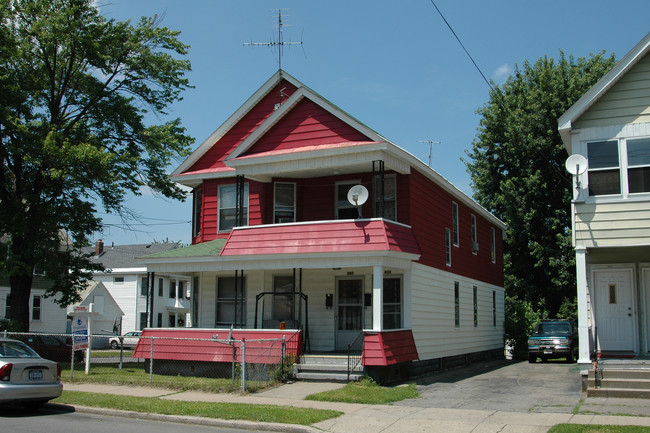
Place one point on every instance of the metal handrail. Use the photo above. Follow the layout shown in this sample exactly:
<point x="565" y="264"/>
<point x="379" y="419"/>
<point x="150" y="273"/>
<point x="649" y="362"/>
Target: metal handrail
<point x="355" y="352"/>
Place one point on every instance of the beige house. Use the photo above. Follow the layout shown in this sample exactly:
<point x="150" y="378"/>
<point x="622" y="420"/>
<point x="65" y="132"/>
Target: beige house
<point x="609" y="127"/>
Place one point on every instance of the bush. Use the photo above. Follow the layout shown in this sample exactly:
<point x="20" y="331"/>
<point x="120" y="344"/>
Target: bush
<point x="520" y="320"/>
<point x="9" y="326"/>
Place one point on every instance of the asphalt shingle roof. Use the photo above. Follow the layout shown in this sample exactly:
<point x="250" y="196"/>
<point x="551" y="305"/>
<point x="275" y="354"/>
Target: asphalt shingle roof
<point x="126" y="256"/>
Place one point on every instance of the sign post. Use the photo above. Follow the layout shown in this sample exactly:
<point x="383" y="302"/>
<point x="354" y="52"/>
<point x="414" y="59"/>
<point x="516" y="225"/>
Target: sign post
<point x="81" y="331"/>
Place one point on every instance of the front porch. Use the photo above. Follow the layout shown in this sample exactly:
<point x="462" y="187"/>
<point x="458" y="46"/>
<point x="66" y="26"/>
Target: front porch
<point x="622" y="377"/>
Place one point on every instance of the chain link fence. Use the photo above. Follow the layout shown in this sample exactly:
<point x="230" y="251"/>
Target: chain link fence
<point x="161" y="360"/>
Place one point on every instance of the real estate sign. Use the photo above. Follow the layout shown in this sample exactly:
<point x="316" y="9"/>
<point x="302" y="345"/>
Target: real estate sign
<point x="80" y="330"/>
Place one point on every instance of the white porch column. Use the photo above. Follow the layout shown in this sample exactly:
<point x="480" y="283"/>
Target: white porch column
<point x="584" y="359"/>
<point x="377" y="298"/>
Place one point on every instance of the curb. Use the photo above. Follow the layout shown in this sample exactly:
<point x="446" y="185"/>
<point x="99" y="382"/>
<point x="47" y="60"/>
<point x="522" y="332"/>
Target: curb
<point x="195" y="420"/>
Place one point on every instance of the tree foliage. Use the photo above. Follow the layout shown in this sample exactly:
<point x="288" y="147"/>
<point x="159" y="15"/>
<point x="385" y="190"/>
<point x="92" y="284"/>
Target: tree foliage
<point x="517" y="168"/>
<point x="75" y="92"/>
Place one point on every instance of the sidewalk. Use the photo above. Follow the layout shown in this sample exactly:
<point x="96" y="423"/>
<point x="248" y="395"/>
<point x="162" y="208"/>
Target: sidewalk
<point x="360" y="418"/>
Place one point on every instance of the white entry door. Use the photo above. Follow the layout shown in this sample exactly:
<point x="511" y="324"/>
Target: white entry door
<point x="614" y="310"/>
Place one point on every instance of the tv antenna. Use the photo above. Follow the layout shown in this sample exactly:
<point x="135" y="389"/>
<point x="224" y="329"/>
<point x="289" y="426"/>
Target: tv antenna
<point x="277" y="44"/>
<point x="430" y="143"/>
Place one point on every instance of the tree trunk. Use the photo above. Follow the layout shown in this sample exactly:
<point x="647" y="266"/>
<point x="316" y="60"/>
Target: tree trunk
<point x="21" y="287"/>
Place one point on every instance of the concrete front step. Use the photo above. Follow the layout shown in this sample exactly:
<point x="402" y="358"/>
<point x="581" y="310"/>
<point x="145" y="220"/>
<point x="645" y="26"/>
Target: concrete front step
<point x="618" y="393"/>
<point x="621" y="383"/>
<point x="330" y="368"/>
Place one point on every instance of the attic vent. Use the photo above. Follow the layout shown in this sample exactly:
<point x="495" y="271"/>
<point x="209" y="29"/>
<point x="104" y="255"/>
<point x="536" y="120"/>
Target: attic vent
<point x="276" y="106"/>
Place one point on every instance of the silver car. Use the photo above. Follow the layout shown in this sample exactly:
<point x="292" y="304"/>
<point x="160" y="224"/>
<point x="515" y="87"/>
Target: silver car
<point x="130" y="339"/>
<point x="25" y="377"/>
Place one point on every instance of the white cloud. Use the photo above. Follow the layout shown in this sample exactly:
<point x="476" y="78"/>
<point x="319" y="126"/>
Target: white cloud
<point x="502" y="73"/>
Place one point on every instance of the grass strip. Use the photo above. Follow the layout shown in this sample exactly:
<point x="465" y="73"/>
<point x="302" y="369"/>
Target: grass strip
<point x="587" y="428"/>
<point x="133" y="373"/>
<point x="228" y="411"/>
<point x="367" y="392"/>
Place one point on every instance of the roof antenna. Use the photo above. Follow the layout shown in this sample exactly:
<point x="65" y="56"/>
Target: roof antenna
<point x="430" y="143"/>
<point x="279" y="43"/>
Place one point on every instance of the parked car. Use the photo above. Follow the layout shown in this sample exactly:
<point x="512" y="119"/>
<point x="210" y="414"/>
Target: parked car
<point x="130" y="339"/>
<point x="553" y="339"/>
<point x="50" y="347"/>
<point x="25" y="377"/>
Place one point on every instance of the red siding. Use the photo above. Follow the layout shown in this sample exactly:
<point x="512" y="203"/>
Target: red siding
<point x="344" y="236"/>
<point x="431" y="212"/>
<point x="193" y="344"/>
<point x="307" y="124"/>
<point x="388" y="347"/>
<point x="210" y="207"/>
<point x="213" y="158"/>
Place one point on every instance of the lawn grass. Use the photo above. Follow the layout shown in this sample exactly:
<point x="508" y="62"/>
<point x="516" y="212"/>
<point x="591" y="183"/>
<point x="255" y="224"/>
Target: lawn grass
<point x="584" y="428"/>
<point x="228" y="411"/>
<point x="133" y="373"/>
<point x="367" y="391"/>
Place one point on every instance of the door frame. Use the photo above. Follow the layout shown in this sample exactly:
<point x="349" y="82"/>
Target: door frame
<point x="337" y="335"/>
<point x="644" y="301"/>
<point x="631" y="269"/>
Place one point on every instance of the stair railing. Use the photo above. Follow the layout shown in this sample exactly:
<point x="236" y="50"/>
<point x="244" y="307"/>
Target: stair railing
<point x="355" y="352"/>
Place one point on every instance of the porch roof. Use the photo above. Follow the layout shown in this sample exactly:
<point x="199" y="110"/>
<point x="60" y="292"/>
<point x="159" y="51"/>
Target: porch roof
<point x="309" y="239"/>
<point x="360" y="235"/>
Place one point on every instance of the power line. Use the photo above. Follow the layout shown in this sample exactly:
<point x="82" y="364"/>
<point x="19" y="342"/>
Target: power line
<point x="461" y="44"/>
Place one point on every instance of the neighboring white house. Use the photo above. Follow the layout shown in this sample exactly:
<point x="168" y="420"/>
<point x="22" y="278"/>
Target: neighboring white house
<point x="610" y="127"/>
<point x="128" y="283"/>
<point x="106" y="313"/>
<point x="44" y="314"/>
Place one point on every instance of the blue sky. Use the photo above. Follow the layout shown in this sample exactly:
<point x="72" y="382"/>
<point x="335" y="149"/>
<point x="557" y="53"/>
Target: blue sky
<point x="395" y="66"/>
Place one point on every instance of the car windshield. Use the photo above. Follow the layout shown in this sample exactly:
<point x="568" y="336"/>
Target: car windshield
<point x="553" y="329"/>
<point x="14" y="349"/>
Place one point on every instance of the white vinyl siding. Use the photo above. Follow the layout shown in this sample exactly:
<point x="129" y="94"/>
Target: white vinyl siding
<point x="621" y="223"/>
<point x="628" y="101"/>
<point x="433" y="314"/>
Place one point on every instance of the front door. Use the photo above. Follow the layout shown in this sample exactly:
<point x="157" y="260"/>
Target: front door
<point x="614" y="299"/>
<point x="349" y="311"/>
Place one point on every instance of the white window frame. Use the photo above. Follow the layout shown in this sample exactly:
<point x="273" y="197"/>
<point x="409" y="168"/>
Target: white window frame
<point x="197" y="208"/>
<point x="399" y="313"/>
<point x="275" y="203"/>
<point x="454" y="224"/>
<point x="447" y="247"/>
<point x="34" y="308"/>
<point x="474" y="235"/>
<point x="220" y="207"/>
<point x="493" y="244"/>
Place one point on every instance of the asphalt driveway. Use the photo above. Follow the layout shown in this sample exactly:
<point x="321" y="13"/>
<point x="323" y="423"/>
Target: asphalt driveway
<point x="552" y="387"/>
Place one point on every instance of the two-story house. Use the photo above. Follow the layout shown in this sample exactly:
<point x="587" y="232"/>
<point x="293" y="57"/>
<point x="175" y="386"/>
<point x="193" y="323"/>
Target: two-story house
<point x="305" y="218"/>
<point x="610" y="128"/>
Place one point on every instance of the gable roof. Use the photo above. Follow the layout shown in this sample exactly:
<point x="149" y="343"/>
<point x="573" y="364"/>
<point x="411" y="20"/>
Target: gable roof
<point x="566" y="121"/>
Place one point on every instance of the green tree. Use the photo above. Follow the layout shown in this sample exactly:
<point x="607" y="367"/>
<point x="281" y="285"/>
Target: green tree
<point x="517" y="168"/>
<point x="76" y="91"/>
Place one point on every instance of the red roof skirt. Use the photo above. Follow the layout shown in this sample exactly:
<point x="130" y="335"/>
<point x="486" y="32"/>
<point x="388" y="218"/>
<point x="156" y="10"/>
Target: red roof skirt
<point x="322" y="237"/>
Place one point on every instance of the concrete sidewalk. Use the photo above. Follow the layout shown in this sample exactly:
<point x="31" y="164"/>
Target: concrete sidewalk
<point x="360" y="418"/>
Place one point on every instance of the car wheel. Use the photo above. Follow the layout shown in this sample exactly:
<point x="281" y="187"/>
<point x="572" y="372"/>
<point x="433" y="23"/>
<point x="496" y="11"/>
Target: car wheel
<point x="532" y="358"/>
<point x="114" y="344"/>
<point x="570" y="358"/>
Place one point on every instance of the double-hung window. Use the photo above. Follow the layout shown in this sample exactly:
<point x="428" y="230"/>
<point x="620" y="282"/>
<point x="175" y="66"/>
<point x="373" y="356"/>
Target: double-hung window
<point x="345" y="209"/>
<point x="284" y="205"/>
<point x="392" y="303"/>
<point x="638" y="165"/>
<point x="604" y="173"/>
<point x="454" y="222"/>
<point x="36" y="308"/>
<point x="196" y="215"/>
<point x="228" y="207"/>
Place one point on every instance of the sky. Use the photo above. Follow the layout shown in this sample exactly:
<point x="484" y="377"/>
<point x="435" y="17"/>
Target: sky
<point x="393" y="65"/>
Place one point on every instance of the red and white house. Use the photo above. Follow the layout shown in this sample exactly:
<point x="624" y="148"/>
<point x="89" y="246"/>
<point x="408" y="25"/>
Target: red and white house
<point x="415" y="272"/>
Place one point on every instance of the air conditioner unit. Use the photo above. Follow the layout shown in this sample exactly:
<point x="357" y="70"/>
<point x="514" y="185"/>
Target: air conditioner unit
<point x="474" y="246"/>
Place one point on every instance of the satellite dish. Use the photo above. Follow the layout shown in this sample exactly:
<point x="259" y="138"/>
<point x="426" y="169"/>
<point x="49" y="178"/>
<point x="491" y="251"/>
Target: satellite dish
<point x="576" y="164"/>
<point x="358" y="195"/>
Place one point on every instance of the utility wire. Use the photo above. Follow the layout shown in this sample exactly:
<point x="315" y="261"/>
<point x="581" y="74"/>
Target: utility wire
<point x="461" y="44"/>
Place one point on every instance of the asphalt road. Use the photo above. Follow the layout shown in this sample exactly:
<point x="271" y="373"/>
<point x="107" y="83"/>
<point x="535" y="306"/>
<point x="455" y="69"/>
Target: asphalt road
<point x="17" y="420"/>
<point x="551" y="387"/>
